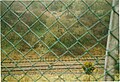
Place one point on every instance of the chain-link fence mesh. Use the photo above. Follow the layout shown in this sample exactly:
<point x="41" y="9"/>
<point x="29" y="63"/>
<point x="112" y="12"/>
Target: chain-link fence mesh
<point x="59" y="40"/>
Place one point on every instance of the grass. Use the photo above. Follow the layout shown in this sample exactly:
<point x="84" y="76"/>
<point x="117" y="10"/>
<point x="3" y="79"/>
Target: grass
<point x="49" y="56"/>
<point x="51" y="78"/>
<point x="56" y="78"/>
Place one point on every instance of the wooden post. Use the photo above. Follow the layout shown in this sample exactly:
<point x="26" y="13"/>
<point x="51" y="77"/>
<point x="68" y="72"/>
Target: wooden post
<point x="112" y="43"/>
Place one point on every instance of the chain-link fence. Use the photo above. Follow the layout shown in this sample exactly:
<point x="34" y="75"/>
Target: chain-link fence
<point x="59" y="40"/>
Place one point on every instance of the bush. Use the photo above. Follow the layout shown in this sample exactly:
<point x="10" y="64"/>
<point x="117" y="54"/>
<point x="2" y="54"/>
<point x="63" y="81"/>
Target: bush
<point x="88" y="67"/>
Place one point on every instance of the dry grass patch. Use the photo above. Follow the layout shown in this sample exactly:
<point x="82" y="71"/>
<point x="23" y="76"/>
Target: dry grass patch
<point x="57" y="78"/>
<point x="52" y="78"/>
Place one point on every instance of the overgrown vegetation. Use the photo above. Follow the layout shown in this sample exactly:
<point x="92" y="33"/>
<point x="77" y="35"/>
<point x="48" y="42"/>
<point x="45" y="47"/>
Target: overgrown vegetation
<point x="60" y="27"/>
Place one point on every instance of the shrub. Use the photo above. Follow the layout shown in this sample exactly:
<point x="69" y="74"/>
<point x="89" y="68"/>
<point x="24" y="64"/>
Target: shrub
<point x="88" y="67"/>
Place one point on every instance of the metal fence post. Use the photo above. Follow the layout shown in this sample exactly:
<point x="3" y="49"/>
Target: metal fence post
<point x="112" y="43"/>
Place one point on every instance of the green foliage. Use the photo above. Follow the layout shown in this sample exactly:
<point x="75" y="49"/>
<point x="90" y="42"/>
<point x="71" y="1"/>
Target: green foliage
<point x="88" y="67"/>
<point x="21" y="28"/>
<point x="67" y="19"/>
<point x="56" y="6"/>
<point x="68" y="38"/>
